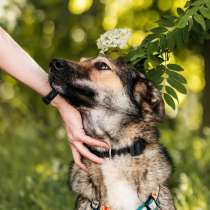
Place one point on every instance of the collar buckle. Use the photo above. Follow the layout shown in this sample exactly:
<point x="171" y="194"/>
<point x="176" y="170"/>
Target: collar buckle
<point x="110" y="153"/>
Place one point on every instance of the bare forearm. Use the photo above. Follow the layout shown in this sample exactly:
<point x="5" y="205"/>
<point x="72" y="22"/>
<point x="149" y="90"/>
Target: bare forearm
<point x="15" y="61"/>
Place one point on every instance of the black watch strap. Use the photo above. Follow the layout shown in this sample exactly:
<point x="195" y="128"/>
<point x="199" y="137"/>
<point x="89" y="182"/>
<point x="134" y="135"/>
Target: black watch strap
<point x="50" y="96"/>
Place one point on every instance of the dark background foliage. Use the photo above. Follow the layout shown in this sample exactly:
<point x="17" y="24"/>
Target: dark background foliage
<point x="33" y="149"/>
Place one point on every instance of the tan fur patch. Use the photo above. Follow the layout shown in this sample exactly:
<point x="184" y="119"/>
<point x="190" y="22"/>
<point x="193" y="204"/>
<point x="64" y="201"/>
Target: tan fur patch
<point x="106" y="79"/>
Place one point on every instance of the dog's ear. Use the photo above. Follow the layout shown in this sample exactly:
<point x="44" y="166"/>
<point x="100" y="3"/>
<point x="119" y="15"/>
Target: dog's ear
<point x="149" y="98"/>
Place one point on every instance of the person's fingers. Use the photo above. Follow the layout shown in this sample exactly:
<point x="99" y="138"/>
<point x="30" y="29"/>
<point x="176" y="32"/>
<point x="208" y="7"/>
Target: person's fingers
<point x="94" y="142"/>
<point x="77" y="158"/>
<point x="86" y="153"/>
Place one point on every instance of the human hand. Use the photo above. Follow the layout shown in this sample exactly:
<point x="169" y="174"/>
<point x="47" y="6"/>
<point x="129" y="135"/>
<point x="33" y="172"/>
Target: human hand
<point x="75" y="133"/>
<point x="26" y="70"/>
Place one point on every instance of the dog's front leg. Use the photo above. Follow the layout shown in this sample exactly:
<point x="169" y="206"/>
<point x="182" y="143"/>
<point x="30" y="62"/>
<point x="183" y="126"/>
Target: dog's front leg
<point x="165" y="199"/>
<point x="82" y="203"/>
<point x="81" y="183"/>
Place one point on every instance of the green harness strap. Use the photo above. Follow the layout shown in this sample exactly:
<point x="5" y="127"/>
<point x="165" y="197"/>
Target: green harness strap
<point x="150" y="204"/>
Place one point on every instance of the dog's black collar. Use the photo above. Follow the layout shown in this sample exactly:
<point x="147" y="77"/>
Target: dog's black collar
<point x="135" y="149"/>
<point x="50" y="96"/>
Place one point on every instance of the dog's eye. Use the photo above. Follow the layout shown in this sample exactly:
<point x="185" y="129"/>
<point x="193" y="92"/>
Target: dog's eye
<point x="102" y="66"/>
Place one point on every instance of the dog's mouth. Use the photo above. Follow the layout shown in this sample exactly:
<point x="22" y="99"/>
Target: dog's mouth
<point x="64" y="77"/>
<point x="60" y="74"/>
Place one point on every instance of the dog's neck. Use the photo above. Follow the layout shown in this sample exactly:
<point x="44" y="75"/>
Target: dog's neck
<point x="118" y="127"/>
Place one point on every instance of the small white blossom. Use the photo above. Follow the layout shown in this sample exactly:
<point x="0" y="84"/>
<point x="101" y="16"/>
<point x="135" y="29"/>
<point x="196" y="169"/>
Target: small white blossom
<point x="116" y="38"/>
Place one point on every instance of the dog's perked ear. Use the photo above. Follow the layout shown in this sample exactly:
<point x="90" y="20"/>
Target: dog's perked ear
<point x="149" y="99"/>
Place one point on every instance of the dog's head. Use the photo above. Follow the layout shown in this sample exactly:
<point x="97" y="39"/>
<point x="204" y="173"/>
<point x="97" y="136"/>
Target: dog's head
<point x="102" y="82"/>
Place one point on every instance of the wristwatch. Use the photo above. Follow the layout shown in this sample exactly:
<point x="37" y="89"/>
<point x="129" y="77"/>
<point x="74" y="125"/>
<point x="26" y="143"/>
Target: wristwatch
<point x="50" y="96"/>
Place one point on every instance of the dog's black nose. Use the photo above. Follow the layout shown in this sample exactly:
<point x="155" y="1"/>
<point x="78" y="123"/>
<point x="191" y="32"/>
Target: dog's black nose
<point x="58" y="64"/>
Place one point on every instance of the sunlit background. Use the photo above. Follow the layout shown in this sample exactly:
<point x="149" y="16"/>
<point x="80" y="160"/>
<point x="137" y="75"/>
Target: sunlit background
<point x="33" y="151"/>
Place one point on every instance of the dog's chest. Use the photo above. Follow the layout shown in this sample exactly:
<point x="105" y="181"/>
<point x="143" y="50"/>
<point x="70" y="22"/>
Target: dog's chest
<point x="121" y="194"/>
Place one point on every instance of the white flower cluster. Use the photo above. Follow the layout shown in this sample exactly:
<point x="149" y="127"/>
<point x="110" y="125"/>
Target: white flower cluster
<point x="116" y="38"/>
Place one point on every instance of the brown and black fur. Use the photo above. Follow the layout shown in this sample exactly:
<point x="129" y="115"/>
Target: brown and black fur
<point x="119" y="105"/>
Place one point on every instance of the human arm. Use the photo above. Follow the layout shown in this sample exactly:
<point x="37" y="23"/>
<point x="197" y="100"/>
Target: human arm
<point x="16" y="62"/>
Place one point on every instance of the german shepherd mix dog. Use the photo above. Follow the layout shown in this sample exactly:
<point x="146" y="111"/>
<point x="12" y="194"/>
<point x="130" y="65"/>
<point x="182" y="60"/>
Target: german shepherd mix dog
<point x="118" y="104"/>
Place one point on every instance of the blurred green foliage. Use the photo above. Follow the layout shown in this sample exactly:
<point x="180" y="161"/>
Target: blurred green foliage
<point x="172" y="33"/>
<point x="33" y="151"/>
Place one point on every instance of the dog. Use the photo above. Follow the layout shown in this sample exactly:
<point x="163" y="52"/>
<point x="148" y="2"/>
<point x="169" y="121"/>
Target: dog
<point x="117" y="104"/>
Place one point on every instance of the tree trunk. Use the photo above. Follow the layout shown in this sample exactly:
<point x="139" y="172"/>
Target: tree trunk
<point x="206" y="92"/>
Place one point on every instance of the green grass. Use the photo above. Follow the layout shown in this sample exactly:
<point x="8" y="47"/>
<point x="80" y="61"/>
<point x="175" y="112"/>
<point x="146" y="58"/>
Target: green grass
<point x="34" y="173"/>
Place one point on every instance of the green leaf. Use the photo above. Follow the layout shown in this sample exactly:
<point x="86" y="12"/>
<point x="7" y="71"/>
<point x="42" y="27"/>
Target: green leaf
<point x="136" y="54"/>
<point x="170" y="40"/>
<point x="167" y="20"/>
<point x="207" y="4"/>
<point x="153" y="48"/>
<point x="155" y="74"/>
<point x="149" y="38"/>
<point x="169" y="100"/>
<point x="185" y="35"/>
<point x="205" y="12"/>
<point x="152" y="62"/>
<point x="148" y="65"/>
<point x="163" y="43"/>
<point x="197" y="3"/>
<point x="157" y="81"/>
<point x="171" y="18"/>
<point x="160" y="67"/>
<point x="155" y="61"/>
<point x="175" y="67"/>
<point x="190" y="23"/>
<point x="177" y="85"/>
<point x="178" y="39"/>
<point x="183" y="21"/>
<point x="190" y="12"/>
<point x="176" y="76"/>
<point x="171" y="92"/>
<point x="159" y="30"/>
<point x="199" y="19"/>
